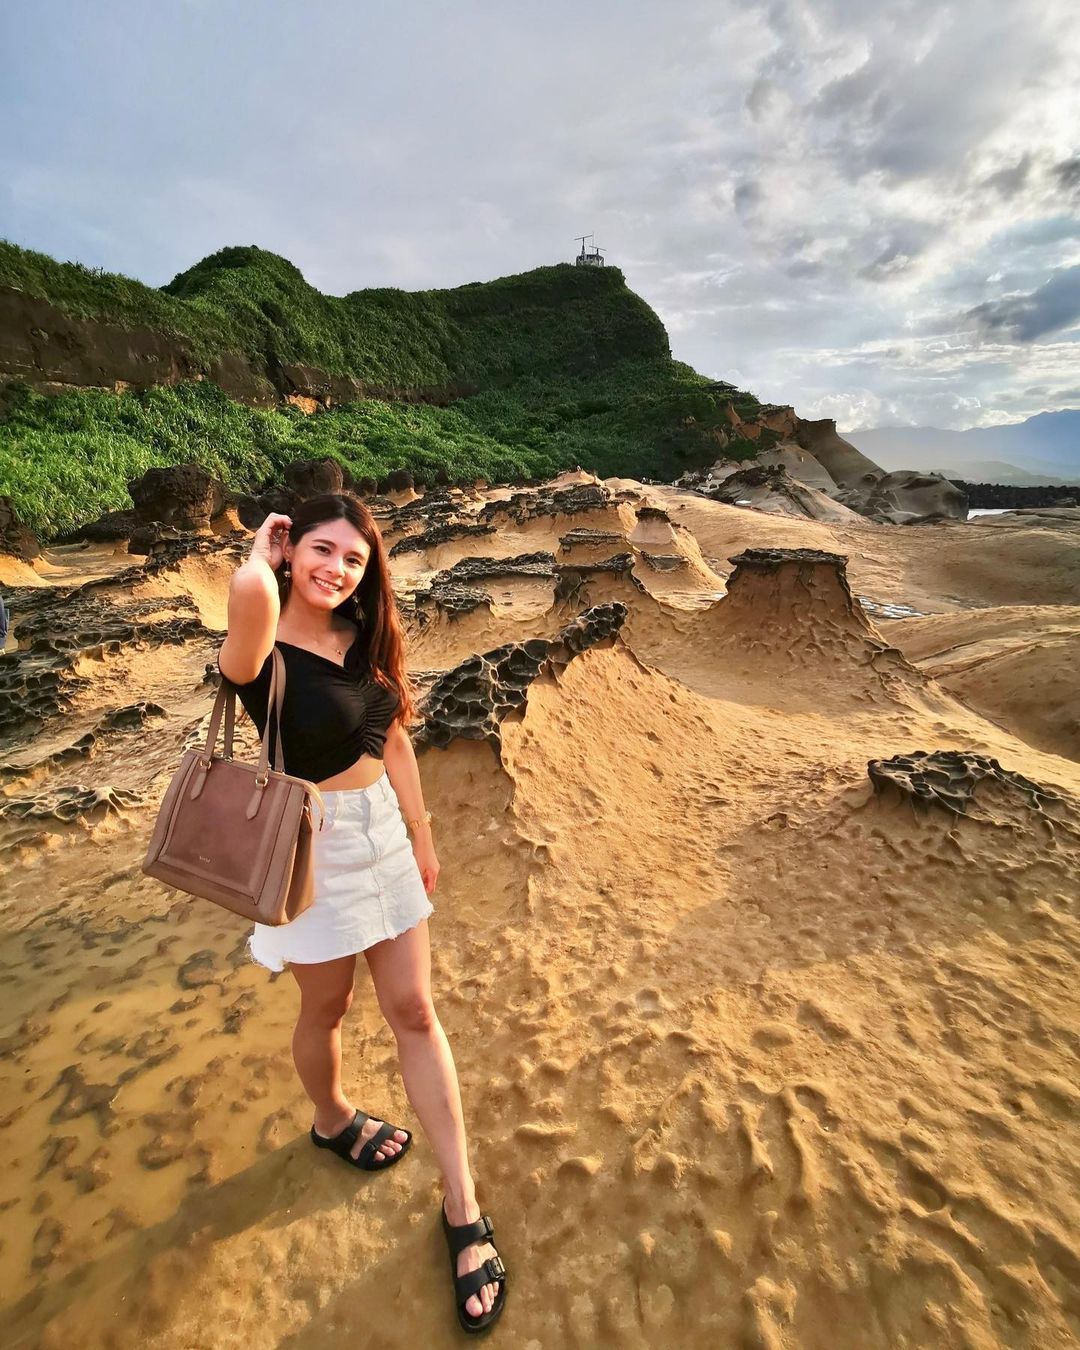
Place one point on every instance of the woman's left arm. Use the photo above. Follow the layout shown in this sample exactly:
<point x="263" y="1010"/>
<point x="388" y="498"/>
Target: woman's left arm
<point x="399" y="759"/>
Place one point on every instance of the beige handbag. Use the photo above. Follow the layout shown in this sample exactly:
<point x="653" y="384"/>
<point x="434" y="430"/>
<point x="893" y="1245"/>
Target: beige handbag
<point x="234" y="833"/>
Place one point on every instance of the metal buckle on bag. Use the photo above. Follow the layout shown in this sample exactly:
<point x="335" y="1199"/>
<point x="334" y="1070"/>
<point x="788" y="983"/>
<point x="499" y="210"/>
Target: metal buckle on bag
<point x="205" y="764"/>
<point x="261" y="782"/>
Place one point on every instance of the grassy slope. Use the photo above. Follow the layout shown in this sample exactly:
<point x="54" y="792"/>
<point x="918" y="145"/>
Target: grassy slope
<point x="572" y="367"/>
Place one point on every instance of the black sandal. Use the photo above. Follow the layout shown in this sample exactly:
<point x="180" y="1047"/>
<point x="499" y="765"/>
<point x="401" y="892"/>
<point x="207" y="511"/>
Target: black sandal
<point x="492" y="1271"/>
<point x="342" y="1143"/>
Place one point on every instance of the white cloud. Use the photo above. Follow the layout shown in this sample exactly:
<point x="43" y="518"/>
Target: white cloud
<point x="809" y="192"/>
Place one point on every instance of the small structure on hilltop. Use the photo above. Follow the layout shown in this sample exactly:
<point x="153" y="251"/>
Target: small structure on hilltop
<point x="592" y="257"/>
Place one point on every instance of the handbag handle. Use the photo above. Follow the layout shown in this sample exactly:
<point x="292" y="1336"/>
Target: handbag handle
<point x="226" y="702"/>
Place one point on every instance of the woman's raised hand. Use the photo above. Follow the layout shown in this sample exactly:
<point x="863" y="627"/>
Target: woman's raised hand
<point x="269" y="541"/>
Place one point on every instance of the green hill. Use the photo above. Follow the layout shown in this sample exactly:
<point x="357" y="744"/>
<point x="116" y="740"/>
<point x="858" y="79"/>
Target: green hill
<point x="508" y="379"/>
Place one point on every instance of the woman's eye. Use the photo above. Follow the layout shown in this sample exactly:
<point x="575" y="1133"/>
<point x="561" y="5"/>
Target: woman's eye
<point x="321" y="548"/>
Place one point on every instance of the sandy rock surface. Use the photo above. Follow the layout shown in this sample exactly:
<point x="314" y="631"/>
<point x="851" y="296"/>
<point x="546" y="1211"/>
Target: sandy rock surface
<point x="755" y="1049"/>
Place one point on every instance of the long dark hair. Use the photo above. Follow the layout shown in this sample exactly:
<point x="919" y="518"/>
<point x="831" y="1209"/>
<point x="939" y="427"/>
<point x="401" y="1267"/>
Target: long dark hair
<point x="372" y="606"/>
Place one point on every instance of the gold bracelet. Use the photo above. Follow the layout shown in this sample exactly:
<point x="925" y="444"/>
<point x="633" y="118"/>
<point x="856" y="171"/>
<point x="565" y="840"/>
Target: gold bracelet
<point x="425" y="821"/>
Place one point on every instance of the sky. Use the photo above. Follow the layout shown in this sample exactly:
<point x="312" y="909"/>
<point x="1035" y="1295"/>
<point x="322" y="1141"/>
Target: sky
<point x="867" y="209"/>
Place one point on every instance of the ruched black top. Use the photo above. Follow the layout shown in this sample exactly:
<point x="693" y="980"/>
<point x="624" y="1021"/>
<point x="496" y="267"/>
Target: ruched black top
<point x="331" y="714"/>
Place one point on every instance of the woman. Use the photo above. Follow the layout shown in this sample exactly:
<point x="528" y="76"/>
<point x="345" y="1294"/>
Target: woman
<point x="331" y="612"/>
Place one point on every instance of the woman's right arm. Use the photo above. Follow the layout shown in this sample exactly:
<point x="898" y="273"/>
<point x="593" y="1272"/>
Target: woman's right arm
<point x="254" y="607"/>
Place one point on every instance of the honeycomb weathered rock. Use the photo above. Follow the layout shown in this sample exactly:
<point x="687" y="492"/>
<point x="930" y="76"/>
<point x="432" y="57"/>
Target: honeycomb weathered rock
<point x="131" y="717"/>
<point x="443" y="533"/>
<point x="475" y="569"/>
<point x="665" y="562"/>
<point x="950" y="778"/>
<point x="582" y="536"/>
<point x="573" y="500"/>
<point x="472" y="700"/>
<point x="67" y="803"/>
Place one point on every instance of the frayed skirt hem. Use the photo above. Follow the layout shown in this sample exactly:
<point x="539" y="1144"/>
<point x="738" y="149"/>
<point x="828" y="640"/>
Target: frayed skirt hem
<point x="352" y="948"/>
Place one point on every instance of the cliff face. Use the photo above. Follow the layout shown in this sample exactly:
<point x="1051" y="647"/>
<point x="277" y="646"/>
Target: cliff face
<point x="51" y="351"/>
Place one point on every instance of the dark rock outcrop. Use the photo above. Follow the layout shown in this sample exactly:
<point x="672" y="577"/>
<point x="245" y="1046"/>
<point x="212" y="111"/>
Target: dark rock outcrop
<point x="306" y="478"/>
<point x="1004" y="497"/>
<point x="52" y="351"/>
<point x="184" y="495"/>
<point x="107" y="529"/>
<point x="153" y="538"/>
<point x="15" y="537"/>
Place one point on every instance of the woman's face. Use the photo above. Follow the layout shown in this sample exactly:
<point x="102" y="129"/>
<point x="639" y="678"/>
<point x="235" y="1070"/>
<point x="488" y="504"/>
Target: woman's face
<point x="327" y="563"/>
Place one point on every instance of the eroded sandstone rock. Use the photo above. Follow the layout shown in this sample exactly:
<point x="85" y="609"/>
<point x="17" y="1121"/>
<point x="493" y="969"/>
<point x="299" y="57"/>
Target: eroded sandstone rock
<point x="907" y="497"/>
<point x="772" y="488"/>
<point x="473" y="699"/>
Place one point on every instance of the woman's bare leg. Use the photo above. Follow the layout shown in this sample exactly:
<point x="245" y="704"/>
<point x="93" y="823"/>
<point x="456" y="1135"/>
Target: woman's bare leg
<point x="326" y="989"/>
<point x="401" y="973"/>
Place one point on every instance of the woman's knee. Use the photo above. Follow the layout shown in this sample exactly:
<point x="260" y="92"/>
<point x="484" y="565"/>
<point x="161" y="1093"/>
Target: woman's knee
<point x="327" y="1008"/>
<point x="414" y="1013"/>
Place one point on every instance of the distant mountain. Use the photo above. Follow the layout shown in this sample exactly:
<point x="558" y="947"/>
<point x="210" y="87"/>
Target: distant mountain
<point x="1044" y="449"/>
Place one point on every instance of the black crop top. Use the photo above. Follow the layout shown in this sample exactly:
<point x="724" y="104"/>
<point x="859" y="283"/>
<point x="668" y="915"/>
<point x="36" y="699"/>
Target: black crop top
<point x="331" y="714"/>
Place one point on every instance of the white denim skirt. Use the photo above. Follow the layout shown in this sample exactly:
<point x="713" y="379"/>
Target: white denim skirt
<point x="367" y="885"/>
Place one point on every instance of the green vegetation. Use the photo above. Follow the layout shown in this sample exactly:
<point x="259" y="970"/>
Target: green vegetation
<point x="249" y="301"/>
<point x="570" y="365"/>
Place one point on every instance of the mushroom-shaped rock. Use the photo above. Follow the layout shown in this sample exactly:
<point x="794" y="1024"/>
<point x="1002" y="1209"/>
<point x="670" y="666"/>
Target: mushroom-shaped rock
<point x="790" y="630"/>
<point x="653" y="530"/>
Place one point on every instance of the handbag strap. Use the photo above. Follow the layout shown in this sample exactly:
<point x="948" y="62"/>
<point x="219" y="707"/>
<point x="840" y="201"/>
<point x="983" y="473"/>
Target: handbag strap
<point x="275" y="698"/>
<point x="225" y="702"/>
<point x="230" y="723"/>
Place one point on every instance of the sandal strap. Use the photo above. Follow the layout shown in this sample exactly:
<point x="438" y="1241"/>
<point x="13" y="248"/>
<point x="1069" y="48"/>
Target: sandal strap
<point x="384" y="1132"/>
<point x="491" y="1272"/>
<point x="464" y="1235"/>
<point x="342" y="1143"/>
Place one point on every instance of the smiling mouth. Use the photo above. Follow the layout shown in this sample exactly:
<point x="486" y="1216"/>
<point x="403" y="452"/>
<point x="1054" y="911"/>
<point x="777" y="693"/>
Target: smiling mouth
<point x="326" y="586"/>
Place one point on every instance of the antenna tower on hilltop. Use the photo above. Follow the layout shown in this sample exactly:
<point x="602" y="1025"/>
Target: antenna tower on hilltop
<point x="593" y="257"/>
